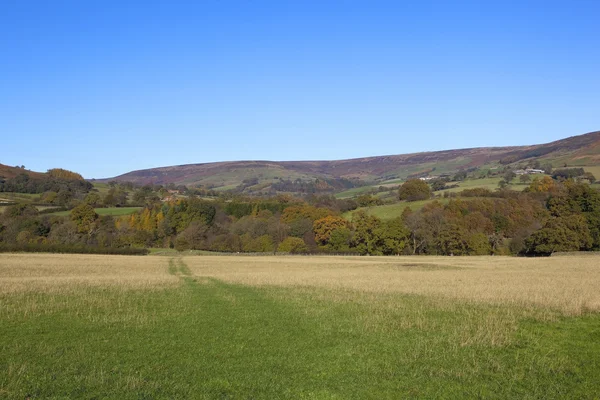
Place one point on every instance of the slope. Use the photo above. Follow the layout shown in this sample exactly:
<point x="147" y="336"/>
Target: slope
<point x="582" y="150"/>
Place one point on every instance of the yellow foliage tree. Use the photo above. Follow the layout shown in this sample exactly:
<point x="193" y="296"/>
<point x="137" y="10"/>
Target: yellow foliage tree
<point x="324" y="226"/>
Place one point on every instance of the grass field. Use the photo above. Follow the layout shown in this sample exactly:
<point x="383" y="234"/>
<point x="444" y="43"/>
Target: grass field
<point x="357" y="191"/>
<point x="75" y="326"/>
<point x="102" y="188"/>
<point x="113" y="211"/>
<point x="18" y="197"/>
<point x="595" y="170"/>
<point x="39" y="208"/>
<point x="391" y="211"/>
<point x="488" y="183"/>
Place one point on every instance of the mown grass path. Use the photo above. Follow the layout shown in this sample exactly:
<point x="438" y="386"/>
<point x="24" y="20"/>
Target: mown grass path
<point x="178" y="267"/>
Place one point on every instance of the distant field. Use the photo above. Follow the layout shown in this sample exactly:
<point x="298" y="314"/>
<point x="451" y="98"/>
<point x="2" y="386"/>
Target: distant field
<point x="354" y="192"/>
<point x="113" y="211"/>
<point x="488" y="183"/>
<point x="594" y="170"/>
<point x="391" y="211"/>
<point x="40" y="208"/>
<point x="4" y="206"/>
<point x="75" y="326"/>
<point x="18" y="197"/>
<point x="102" y="188"/>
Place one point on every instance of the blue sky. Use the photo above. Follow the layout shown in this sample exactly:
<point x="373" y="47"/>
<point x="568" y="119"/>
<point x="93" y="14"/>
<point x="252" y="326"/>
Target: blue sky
<point x="106" y="87"/>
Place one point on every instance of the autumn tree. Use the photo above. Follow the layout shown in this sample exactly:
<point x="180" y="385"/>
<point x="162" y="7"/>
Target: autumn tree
<point x="543" y="185"/>
<point x="325" y="226"/>
<point x="60" y="173"/>
<point x="84" y="217"/>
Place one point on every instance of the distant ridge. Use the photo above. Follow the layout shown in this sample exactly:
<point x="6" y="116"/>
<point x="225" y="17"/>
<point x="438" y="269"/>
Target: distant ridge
<point x="8" y="172"/>
<point x="574" y="151"/>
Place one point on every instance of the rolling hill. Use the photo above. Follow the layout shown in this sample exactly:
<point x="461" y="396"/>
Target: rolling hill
<point x="10" y="172"/>
<point x="581" y="150"/>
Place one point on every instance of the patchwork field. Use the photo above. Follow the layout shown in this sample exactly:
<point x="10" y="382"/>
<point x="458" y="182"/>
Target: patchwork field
<point x="172" y="326"/>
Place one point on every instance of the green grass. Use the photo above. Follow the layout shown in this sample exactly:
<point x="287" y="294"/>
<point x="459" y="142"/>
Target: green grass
<point x="18" y="197"/>
<point x="487" y="183"/>
<point x="208" y="339"/>
<point x="391" y="211"/>
<point x="102" y="188"/>
<point x="355" y="192"/>
<point x="112" y="211"/>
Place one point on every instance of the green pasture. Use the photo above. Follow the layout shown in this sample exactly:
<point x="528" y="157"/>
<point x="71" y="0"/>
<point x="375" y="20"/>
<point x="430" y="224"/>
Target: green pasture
<point x="391" y="211"/>
<point x="19" y="197"/>
<point x="346" y="194"/>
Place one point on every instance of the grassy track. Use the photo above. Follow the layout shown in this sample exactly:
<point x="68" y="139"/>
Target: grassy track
<point x="293" y="327"/>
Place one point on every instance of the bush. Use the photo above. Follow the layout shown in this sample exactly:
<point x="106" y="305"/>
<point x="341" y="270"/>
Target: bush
<point x="413" y="190"/>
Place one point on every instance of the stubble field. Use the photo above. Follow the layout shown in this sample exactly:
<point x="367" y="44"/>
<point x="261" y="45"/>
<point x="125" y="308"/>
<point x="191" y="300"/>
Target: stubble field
<point x="88" y="326"/>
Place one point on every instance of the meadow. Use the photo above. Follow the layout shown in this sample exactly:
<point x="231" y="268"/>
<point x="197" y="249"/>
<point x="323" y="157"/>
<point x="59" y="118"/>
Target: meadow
<point x="394" y="210"/>
<point x="201" y="326"/>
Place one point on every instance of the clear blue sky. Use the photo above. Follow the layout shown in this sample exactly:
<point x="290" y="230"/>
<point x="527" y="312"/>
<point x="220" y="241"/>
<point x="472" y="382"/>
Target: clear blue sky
<point x="106" y="87"/>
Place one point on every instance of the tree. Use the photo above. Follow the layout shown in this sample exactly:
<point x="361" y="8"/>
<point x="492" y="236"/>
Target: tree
<point x="93" y="199"/>
<point x="192" y="237"/>
<point x="277" y="230"/>
<point x="325" y="226"/>
<point x="64" y="174"/>
<point x="438" y="184"/>
<point x="367" y="200"/>
<point x="84" y="217"/>
<point x="452" y="240"/>
<point x="560" y="234"/>
<point x="293" y="245"/>
<point x="525" y="178"/>
<point x="21" y="210"/>
<point x="392" y="237"/>
<point x="460" y="176"/>
<point x="340" y="239"/>
<point x="413" y="190"/>
<point x="365" y="234"/>
<point x="544" y="185"/>
<point x="509" y="176"/>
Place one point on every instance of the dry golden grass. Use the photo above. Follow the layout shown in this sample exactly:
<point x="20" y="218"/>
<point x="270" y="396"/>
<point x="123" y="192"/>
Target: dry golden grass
<point x="51" y="272"/>
<point x="568" y="284"/>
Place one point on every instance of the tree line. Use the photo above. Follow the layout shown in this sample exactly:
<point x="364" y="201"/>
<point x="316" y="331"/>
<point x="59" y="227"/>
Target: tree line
<point x="548" y="216"/>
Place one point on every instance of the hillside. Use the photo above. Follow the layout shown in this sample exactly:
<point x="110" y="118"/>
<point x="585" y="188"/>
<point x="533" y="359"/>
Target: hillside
<point x="10" y="172"/>
<point x="582" y="150"/>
